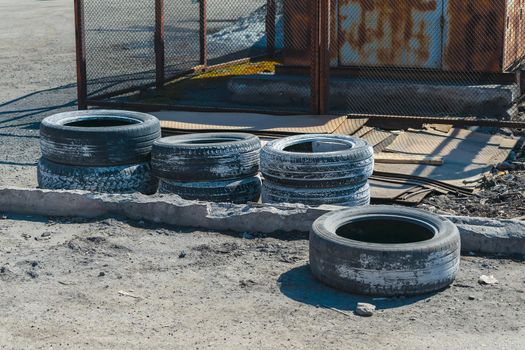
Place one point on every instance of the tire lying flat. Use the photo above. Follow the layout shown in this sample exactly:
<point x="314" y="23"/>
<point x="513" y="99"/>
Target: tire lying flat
<point x="206" y="157"/>
<point x="291" y="161"/>
<point x="351" y="196"/>
<point x="427" y="263"/>
<point x="116" y="179"/>
<point x="98" y="137"/>
<point x="227" y="191"/>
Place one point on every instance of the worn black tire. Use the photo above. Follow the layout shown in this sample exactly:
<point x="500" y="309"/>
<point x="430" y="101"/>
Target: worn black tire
<point x="206" y="157"/>
<point x="380" y="268"/>
<point x="131" y="143"/>
<point x="350" y="196"/>
<point x="115" y="179"/>
<point x="227" y="191"/>
<point x="349" y="166"/>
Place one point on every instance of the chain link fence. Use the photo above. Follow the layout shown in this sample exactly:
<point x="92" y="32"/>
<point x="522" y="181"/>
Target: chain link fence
<point x="408" y="57"/>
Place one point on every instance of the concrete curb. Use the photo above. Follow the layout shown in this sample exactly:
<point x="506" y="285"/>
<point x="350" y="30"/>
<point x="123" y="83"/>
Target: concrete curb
<point x="481" y="235"/>
<point x="491" y="236"/>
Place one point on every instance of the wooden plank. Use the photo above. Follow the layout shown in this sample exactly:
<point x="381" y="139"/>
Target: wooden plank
<point x="249" y="122"/>
<point x="395" y="158"/>
<point x="508" y="143"/>
<point x="351" y="126"/>
<point x="444" y="128"/>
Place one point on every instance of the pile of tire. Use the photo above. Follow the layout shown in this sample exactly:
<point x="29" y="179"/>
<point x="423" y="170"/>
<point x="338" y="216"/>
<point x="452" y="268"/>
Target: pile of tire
<point x="104" y="151"/>
<point x="316" y="170"/>
<point x="212" y="167"/>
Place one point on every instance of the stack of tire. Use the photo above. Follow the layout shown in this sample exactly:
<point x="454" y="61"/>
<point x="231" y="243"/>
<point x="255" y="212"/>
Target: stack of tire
<point x="212" y="167"/>
<point x="104" y="151"/>
<point x="316" y="170"/>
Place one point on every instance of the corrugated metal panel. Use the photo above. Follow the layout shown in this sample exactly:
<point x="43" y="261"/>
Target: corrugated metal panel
<point x="404" y="33"/>
<point x="334" y="33"/>
<point x="512" y="31"/>
<point x="473" y="35"/>
<point x="297" y="32"/>
<point x="521" y="34"/>
<point x="450" y="35"/>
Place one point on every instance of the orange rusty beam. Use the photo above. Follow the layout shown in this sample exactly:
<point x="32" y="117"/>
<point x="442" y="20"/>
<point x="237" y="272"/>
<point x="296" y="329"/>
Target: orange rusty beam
<point x="80" y="54"/>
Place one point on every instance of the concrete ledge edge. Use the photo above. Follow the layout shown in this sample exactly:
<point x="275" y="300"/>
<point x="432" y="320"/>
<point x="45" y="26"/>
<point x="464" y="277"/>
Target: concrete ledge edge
<point x="480" y="235"/>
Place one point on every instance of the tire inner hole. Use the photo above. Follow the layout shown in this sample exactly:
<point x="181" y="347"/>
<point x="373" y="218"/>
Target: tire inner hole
<point x="318" y="146"/>
<point x="101" y="122"/>
<point x="387" y="231"/>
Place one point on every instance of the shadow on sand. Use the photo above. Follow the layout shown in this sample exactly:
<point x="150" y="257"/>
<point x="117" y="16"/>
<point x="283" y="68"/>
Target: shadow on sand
<point x="300" y="285"/>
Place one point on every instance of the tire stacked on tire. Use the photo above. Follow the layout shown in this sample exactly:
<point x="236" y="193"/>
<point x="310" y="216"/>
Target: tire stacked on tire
<point x="104" y="151"/>
<point x="316" y="170"/>
<point x="213" y="167"/>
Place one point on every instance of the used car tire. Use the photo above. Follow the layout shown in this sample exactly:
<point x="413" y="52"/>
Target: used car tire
<point x="293" y="160"/>
<point x="98" y="137"/>
<point x="231" y="191"/>
<point x="384" y="251"/>
<point x="205" y="157"/>
<point x="115" y="179"/>
<point x="351" y="196"/>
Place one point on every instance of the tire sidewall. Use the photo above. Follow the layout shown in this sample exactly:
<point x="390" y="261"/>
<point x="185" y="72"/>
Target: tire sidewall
<point x="54" y="125"/>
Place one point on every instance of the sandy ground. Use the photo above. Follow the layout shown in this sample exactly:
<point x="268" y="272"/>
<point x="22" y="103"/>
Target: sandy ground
<point x="118" y="285"/>
<point x="110" y="284"/>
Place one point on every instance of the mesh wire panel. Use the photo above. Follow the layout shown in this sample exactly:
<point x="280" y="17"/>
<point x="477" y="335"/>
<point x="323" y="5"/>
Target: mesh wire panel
<point x="424" y="57"/>
<point x="181" y="26"/>
<point x="119" y="44"/>
<point x="407" y="57"/>
<point x="217" y="54"/>
<point x="251" y="33"/>
<point x="236" y="29"/>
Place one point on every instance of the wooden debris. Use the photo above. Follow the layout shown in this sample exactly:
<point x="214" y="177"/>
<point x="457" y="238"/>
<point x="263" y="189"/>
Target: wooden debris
<point x="396" y="158"/>
<point x="126" y="294"/>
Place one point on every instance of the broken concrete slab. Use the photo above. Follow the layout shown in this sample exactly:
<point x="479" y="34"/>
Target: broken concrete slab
<point x="486" y="236"/>
<point x="382" y="96"/>
<point x="491" y="236"/>
<point x="166" y="209"/>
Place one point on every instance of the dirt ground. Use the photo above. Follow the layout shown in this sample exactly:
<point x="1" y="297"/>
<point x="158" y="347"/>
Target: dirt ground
<point x="112" y="284"/>
<point x="117" y="285"/>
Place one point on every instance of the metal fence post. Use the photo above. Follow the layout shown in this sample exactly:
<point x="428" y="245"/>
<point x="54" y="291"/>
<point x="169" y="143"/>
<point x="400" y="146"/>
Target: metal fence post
<point x="314" y="55"/>
<point x="270" y="27"/>
<point x="80" y="54"/>
<point x="159" y="43"/>
<point x="320" y="56"/>
<point x="203" y="32"/>
<point x="324" y="56"/>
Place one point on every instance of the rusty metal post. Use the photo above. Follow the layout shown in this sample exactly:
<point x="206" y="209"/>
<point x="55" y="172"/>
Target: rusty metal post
<point x="270" y="27"/>
<point x="324" y="56"/>
<point x="314" y="55"/>
<point x="320" y="51"/>
<point x="80" y="54"/>
<point x="203" y="32"/>
<point x="159" y="43"/>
